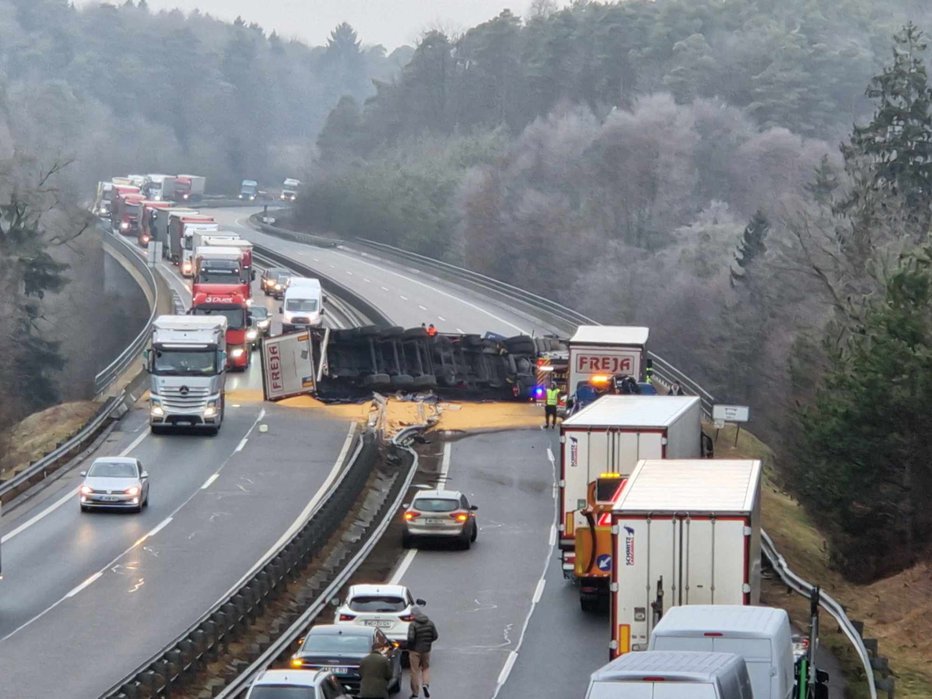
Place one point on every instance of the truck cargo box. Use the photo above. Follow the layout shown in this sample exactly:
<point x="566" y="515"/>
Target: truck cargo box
<point x="606" y="350"/>
<point x="685" y="532"/>
<point x="612" y="435"/>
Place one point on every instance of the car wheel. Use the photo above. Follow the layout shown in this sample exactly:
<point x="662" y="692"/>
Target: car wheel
<point x="406" y="541"/>
<point x="145" y="503"/>
<point x="156" y="429"/>
<point x="84" y="509"/>
<point x="465" y="542"/>
<point x="475" y="532"/>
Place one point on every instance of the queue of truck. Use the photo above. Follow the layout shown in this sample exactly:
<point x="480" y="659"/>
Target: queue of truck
<point x="666" y="537"/>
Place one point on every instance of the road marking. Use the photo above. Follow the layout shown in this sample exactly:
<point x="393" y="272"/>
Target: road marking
<point x="445" y="463"/>
<point x="402" y="567"/>
<point x="367" y="281"/>
<point x="423" y="308"/>
<point x="461" y="331"/>
<point x="242" y="443"/>
<point x="348" y="272"/>
<point x="160" y="527"/>
<point x="130" y="548"/>
<point x="506" y="670"/>
<point x="332" y="266"/>
<point x="553" y="534"/>
<point x="441" y="319"/>
<point x="538" y="592"/>
<point x="403" y="298"/>
<point x="86" y="583"/>
<point x="316" y="259"/>
<point x="384" y="288"/>
<point x="209" y="481"/>
<point x="65" y="498"/>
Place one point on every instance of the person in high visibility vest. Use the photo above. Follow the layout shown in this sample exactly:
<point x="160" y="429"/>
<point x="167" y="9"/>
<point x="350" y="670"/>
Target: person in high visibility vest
<point x="431" y="330"/>
<point x="550" y="405"/>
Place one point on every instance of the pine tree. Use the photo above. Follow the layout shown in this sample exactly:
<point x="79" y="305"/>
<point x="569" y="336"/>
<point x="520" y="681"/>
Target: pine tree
<point x="750" y="247"/>
<point x="897" y="143"/>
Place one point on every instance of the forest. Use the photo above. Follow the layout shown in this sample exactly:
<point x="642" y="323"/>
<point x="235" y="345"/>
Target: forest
<point x="112" y="89"/>
<point x="751" y="179"/>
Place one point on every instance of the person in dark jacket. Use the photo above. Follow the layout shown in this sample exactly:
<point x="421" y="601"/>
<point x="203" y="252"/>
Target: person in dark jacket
<point x="421" y="636"/>
<point x="375" y="672"/>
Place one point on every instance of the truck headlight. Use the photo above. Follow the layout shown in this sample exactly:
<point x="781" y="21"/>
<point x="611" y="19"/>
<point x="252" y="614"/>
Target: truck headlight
<point x="237" y="352"/>
<point x="252" y="334"/>
<point x="211" y="409"/>
<point x="155" y="408"/>
<point x="186" y="267"/>
<point x="124" y="225"/>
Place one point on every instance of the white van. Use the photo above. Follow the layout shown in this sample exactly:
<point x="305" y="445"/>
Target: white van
<point x="760" y="635"/>
<point x="657" y="674"/>
<point x="303" y="304"/>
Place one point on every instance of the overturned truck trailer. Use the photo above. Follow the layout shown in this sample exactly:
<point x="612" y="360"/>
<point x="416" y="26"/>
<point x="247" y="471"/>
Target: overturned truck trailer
<point x="357" y="361"/>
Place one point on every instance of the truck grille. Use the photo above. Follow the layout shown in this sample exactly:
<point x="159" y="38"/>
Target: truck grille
<point x="174" y="399"/>
<point x="300" y="320"/>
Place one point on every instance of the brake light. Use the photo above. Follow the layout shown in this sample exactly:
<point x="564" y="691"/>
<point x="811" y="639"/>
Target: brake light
<point x="411" y="514"/>
<point x="407" y="617"/>
<point x="713" y="634"/>
<point x="347" y="617"/>
<point x="461" y="517"/>
<point x="653" y="679"/>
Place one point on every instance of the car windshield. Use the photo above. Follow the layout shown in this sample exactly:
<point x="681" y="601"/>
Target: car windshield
<point x="299" y="305"/>
<point x="259" y="312"/>
<point x="235" y="316"/>
<point x="113" y="469"/>
<point x="185" y="362"/>
<point x="435" y="505"/>
<point x="337" y="644"/>
<point x="281" y="691"/>
<point x="221" y="275"/>
<point x="378" y="603"/>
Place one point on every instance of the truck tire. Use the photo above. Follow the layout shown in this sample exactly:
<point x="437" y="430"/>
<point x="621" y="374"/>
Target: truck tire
<point x="402" y="380"/>
<point x="377" y="380"/>
<point x="588" y="604"/>
<point x="414" y="333"/>
<point x="522" y="344"/>
<point x="425" y="381"/>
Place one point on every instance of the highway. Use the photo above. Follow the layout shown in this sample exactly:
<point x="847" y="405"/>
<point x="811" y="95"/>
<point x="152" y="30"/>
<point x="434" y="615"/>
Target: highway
<point x="86" y="597"/>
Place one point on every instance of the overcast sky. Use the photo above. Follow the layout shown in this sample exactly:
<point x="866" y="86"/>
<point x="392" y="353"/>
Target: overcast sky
<point x="387" y="22"/>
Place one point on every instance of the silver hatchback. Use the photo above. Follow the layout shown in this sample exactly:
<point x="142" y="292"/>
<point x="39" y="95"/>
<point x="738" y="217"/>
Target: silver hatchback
<point x="443" y="514"/>
<point x="116" y="482"/>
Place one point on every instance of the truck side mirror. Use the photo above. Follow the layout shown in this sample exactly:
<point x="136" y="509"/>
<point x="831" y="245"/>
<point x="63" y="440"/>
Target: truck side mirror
<point x="323" y="310"/>
<point x="281" y="309"/>
<point x="253" y="275"/>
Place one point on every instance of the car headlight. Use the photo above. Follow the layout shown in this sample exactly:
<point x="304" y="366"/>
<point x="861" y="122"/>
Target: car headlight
<point x="237" y="352"/>
<point x="252" y="334"/>
<point x="264" y="324"/>
<point x="86" y="490"/>
<point x="277" y="286"/>
<point x="132" y="490"/>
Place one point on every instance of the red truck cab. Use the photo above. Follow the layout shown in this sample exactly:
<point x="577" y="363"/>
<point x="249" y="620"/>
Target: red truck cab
<point x="117" y="204"/>
<point x="145" y="231"/>
<point x="232" y="306"/>
<point x="219" y="271"/>
<point x="130" y="207"/>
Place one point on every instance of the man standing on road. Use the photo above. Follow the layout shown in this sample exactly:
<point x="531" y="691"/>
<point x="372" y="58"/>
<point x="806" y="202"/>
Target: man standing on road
<point x="550" y="405"/>
<point x="421" y="635"/>
<point x="375" y="672"/>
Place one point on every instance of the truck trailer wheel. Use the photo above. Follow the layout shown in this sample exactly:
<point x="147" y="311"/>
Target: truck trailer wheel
<point x="589" y="604"/>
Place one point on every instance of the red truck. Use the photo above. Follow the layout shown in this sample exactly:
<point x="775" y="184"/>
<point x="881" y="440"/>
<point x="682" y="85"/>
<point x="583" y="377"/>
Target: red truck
<point x="146" y="230"/>
<point x="117" y="198"/>
<point x="234" y="308"/>
<point x="219" y="270"/>
<point x="125" y="217"/>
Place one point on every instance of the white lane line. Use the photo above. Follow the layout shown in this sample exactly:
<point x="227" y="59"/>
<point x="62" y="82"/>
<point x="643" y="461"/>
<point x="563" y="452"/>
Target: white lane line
<point x="86" y="583"/>
<point x="65" y="498"/>
<point x="441" y="319"/>
<point x="384" y="288"/>
<point x="402" y="567"/>
<point x="242" y="443"/>
<point x="134" y="545"/>
<point x="316" y="259"/>
<point x="302" y="518"/>
<point x="209" y="481"/>
<point x="441" y="479"/>
<point x="403" y="298"/>
<point x="461" y="331"/>
<point x="553" y="534"/>
<point x="506" y="670"/>
<point x="160" y="527"/>
<point x="538" y="592"/>
<point x="348" y="272"/>
<point x="332" y="266"/>
<point x="423" y="308"/>
<point x="367" y="281"/>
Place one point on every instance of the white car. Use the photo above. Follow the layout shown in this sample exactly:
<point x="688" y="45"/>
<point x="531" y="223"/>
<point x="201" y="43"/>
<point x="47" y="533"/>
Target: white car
<point x="296" y="684"/>
<point x="388" y="608"/>
<point x="114" y="482"/>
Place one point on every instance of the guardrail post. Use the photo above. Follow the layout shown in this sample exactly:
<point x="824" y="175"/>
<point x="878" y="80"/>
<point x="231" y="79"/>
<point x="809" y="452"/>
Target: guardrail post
<point x="886" y="684"/>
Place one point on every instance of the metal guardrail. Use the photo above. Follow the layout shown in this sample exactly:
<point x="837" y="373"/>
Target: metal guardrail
<point x="238" y="687"/>
<point x="110" y="373"/>
<point x="296" y="236"/>
<point x="158" y="675"/>
<point x="567" y="319"/>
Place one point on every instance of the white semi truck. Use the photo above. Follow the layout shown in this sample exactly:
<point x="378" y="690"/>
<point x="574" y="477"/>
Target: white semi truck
<point x="684" y="532"/>
<point x="186" y="362"/>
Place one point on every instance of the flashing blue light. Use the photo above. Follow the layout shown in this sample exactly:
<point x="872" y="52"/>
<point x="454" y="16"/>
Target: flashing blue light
<point x="539" y="392"/>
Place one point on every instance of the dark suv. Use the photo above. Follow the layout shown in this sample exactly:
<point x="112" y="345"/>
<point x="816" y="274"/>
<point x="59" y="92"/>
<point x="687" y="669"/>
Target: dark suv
<point x="274" y="280"/>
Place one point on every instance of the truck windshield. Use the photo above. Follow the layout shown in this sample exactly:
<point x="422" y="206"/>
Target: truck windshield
<point x="222" y="275"/>
<point x="301" y="305"/>
<point x="131" y="209"/>
<point x="236" y="317"/>
<point x="172" y="362"/>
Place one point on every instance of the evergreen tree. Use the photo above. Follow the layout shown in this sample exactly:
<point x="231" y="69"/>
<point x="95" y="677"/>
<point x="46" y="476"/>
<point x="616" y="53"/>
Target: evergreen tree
<point x="897" y="143"/>
<point x="750" y="247"/>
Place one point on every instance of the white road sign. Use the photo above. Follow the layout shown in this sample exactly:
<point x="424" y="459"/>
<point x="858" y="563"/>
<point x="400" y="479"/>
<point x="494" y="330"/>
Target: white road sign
<point x="731" y="413"/>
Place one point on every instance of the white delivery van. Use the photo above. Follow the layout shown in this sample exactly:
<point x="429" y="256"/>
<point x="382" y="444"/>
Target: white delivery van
<point x="303" y="304"/>
<point x="672" y="675"/>
<point x="760" y="635"/>
<point x="685" y="532"/>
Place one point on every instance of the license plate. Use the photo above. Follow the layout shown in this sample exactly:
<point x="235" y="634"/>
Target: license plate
<point x="110" y="498"/>
<point x="432" y="520"/>
<point x="379" y="624"/>
<point x="335" y="669"/>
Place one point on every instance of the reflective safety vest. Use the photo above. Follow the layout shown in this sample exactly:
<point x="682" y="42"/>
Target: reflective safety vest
<point x="553" y="396"/>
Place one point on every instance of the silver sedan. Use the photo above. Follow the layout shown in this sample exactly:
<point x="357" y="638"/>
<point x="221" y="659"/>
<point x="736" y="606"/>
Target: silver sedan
<point x="116" y="482"/>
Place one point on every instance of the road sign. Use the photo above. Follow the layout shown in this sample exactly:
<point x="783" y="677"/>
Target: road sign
<point x="731" y="413"/>
<point x="719" y="424"/>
